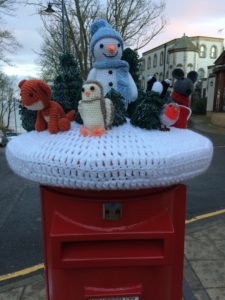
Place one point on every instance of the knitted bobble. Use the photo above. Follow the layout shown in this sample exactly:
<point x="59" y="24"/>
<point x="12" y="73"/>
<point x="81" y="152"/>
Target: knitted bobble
<point x="96" y="25"/>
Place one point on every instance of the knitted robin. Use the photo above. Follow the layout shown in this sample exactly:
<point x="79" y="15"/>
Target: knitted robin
<point x="36" y="96"/>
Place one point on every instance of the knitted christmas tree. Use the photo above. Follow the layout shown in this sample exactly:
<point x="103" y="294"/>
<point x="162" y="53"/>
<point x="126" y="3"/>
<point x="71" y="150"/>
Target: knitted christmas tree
<point x="67" y="86"/>
<point x="132" y="58"/>
<point x="28" y="118"/>
<point x="146" y="114"/>
<point x="132" y="106"/>
<point x="120" y="111"/>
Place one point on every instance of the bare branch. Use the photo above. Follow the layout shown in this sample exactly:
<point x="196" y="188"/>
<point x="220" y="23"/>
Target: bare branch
<point x="138" y="22"/>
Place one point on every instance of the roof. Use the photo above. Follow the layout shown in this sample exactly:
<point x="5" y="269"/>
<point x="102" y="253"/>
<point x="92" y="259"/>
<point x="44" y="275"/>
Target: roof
<point x="221" y="59"/>
<point x="185" y="44"/>
<point x="165" y="45"/>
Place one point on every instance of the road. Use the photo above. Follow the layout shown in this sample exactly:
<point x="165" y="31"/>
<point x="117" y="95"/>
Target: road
<point x="20" y="221"/>
<point x="20" y="217"/>
<point x="206" y="193"/>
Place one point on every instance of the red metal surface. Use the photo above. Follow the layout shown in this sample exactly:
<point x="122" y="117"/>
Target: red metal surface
<point x="137" y="254"/>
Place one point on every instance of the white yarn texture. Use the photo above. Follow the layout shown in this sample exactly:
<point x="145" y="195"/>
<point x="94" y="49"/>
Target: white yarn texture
<point x="125" y="157"/>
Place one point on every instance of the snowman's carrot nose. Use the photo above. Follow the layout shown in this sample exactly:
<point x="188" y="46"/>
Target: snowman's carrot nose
<point x="111" y="48"/>
<point x="88" y="93"/>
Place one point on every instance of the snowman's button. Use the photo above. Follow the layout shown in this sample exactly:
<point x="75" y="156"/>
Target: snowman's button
<point x="110" y="71"/>
<point x="110" y="84"/>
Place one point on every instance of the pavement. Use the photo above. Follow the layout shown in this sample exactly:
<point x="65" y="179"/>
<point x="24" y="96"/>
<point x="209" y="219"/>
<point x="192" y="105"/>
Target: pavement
<point x="204" y="263"/>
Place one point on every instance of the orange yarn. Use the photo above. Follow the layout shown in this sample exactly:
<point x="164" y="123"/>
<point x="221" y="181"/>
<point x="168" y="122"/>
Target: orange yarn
<point x="36" y="95"/>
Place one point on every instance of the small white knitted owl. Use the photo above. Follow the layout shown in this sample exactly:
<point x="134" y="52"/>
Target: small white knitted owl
<point x="96" y="111"/>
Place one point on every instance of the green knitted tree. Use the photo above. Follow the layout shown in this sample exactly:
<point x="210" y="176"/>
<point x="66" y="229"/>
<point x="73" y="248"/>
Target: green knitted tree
<point x="28" y="118"/>
<point x="132" y="58"/>
<point x="67" y="86"/>
<point x="120" y="111"/>
<point x="147" y="113"/>
<point x="132" y="106"/>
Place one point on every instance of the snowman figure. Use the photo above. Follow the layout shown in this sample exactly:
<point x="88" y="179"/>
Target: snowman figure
<point x="106" y="48"/>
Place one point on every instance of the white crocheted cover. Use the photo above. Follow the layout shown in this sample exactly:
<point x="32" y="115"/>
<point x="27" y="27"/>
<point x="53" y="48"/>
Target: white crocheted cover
<point x="125" y="157"/>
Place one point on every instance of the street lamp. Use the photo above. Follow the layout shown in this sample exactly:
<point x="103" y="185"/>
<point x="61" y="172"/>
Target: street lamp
<point x="50" y="10"/>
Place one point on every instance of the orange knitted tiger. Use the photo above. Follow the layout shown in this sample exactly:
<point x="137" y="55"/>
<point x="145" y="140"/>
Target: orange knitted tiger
<point x="36" y="95"/>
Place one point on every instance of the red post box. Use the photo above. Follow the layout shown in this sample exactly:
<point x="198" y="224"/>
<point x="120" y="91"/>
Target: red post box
<point x="120" y="244"/>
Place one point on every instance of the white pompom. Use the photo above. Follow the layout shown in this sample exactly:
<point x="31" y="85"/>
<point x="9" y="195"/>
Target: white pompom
<point x="157" y="87"/>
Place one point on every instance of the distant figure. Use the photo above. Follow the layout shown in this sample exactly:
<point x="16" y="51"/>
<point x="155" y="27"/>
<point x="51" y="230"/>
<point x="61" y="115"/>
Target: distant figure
<point x="150" y="81"/>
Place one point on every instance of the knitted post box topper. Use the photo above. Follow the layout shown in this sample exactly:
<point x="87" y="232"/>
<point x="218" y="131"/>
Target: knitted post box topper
<point x="112" y="72"/>
<point x="182" y="91"/>
<point x="36" y="95"/>
<point x="96" y="111"/>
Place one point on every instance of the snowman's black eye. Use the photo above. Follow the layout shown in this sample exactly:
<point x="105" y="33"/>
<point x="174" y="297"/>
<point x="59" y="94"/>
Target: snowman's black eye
<point x="118" y="45"/>
<point x="92" y="88"/>
<point x="82" y="89"/>
<point x="101" y="46"/>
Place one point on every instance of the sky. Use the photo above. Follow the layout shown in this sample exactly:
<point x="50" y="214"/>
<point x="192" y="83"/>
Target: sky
<point x="192" y="17"/>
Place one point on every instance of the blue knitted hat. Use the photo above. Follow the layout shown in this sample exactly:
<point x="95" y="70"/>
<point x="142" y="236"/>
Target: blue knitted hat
<point x="101" y="29"/>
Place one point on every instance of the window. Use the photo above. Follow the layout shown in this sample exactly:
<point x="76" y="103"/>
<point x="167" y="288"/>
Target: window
<point x="213" y="52"/>
<point x="190" y="67"/>
<point x="161" y="58"/>
<point x="143" y="83"/>
<point x="149" y="62"/>
<point x="143" y="64"/>
<point x="155" y="61"/>
<point x="160" y="76"/>
<point x="167" y="74"/>
<point x="179" y="66"/>
<point x="201" y="73"/>
<point x="202" y="53"/>
<point x="156" y="75"/>
<point x="168" y="58"/>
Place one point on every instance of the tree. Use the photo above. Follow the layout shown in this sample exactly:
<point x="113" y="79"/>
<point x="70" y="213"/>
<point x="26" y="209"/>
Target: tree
<point x="138" y="21"/>
<point x="79" y="14"/>
<point x="146" y="114"/>
<point x="28" y="118"/>
<point x="8" y="43"/>
<point x="7" y="99"/>
<point x="132" y="58"/>
<point x="67" y="86"/>
<point x="120" y="111"/>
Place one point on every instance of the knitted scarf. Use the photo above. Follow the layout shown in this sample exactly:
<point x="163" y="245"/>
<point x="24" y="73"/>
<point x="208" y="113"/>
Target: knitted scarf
<point x="180" y="99"/>
<point x="121" y="76"/>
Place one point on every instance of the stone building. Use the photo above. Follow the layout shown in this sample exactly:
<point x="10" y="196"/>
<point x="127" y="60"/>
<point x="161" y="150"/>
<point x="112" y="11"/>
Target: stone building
<point x="215" y="86"/>
<point x="189" y="53"/>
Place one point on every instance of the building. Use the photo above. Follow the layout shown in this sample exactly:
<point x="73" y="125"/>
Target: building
<point x="216" y="91"/>
<point x="189" y="53"/>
